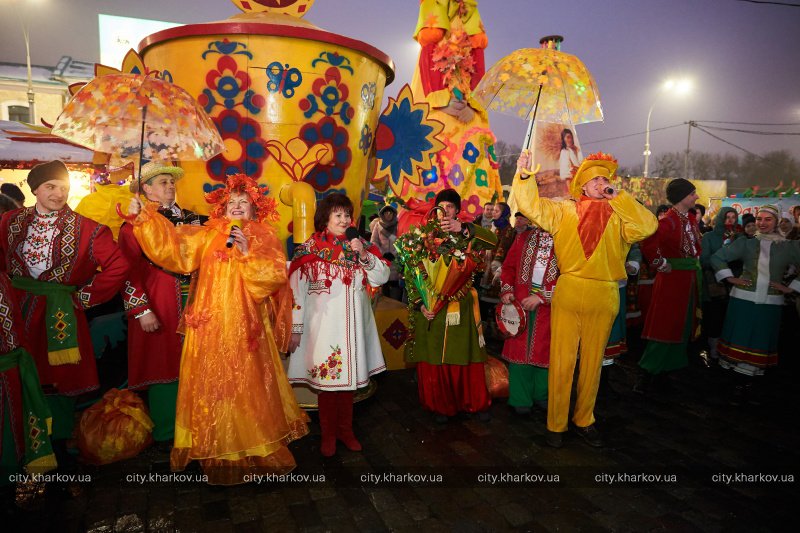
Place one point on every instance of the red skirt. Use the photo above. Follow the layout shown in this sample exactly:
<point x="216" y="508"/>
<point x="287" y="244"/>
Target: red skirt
<point x="448" y="389"/>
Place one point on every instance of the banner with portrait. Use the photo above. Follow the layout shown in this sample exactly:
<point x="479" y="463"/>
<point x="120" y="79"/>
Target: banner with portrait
<point x="556" y="150"/>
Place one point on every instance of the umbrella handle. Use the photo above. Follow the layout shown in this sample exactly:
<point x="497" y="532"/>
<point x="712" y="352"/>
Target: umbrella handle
<point x="524" y="173"/>
<point x="123" y="216"/>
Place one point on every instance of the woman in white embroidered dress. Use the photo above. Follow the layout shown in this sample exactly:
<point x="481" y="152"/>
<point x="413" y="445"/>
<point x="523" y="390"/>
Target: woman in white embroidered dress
<point x="335" y="345"/>
<point x="571" y="155"/>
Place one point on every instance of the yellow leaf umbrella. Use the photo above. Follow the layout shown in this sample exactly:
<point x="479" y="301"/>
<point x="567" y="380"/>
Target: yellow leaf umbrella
<point x="541" y="83"/>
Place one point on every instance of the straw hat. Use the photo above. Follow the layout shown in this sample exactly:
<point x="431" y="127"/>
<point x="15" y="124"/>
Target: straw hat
<point x="155" y="168"/>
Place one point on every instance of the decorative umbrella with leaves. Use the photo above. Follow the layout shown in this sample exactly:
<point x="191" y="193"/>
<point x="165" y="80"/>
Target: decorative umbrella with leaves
<point x="541" y="83"/>
<point x="139" y="116"/>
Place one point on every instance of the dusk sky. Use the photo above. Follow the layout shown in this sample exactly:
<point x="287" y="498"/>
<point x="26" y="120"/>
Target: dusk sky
<point x="742" y="57"/>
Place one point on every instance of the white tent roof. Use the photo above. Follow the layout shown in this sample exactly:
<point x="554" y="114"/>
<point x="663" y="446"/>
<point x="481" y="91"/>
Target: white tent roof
<point x="22" y="146"/>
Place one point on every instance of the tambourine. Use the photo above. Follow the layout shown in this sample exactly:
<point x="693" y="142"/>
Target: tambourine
<point x="511" y="318"/>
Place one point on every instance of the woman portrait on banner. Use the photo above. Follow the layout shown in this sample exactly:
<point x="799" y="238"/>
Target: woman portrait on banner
<point x="335" y="345"/>
<point x="571" y="156"/>
<point x="748" y="343"/>
<point x="236" y="411"/>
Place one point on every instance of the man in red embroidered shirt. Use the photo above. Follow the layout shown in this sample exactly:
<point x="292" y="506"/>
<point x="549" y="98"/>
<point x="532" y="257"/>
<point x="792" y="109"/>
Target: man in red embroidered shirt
<point x="674" y="251"/>
<point x="61" y="263"/>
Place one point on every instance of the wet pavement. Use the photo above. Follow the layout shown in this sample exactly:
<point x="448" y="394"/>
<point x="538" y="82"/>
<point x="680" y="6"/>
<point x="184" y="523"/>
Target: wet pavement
<point x="679" y="459"/>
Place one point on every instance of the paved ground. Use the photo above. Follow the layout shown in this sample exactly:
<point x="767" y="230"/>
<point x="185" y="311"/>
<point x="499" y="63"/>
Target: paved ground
<point x="689" y="435"/>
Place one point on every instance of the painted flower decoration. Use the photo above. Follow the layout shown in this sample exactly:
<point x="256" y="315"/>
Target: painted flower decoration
<point x="231" y="85"/>
<point x="470" y="153"/>
<point x="405" y="139"/>
<point x="429" y="177"/>
<point x="365" y="142"/>
<point x="481" y="178"/>
<point x="245" y="150"/>
<point x="330" y="172"/>
<point x="456" y="176"/>
<point x="332" y="95"/>
<point x="472" y="205"/>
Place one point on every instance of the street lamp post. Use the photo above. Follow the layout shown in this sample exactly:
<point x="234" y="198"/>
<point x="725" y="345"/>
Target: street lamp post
<point x="681" y="87"/>
<point x="26" y="35"/>
<point x="31" y="108"/>
<point x="647" y="140"/>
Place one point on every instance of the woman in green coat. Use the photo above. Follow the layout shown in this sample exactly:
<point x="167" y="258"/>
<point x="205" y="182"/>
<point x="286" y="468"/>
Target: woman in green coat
<point x="749" y="340"/>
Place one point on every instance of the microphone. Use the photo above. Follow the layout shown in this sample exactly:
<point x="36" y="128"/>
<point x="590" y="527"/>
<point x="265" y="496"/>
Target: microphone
<point x="609" y="190"/>
<point x="351" y="233"/>
<point x="231" y="238"/>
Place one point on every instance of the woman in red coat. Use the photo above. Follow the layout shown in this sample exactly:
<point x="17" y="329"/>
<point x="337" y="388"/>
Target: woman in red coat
<point x="529" y="276"/>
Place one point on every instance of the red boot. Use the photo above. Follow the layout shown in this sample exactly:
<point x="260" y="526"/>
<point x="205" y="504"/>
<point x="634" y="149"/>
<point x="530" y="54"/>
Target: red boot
<point x="344" y="427"/>
<point x="327" y="422"/>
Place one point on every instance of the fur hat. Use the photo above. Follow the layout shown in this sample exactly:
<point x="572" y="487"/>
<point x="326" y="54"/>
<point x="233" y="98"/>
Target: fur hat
<point x="678" y="189"/>
<point x="13" y="192"/>
<point x="448" y="195"/>
<point x="155" y="168"/>
<point x="594" y="166"/>
<point x="54" y="170"/>
<point x="386" y="208"/>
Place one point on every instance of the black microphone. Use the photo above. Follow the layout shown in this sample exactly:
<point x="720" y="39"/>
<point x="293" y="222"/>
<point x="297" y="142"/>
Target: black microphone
<point x="351" y="233"/>
<point x="231" y="237"/>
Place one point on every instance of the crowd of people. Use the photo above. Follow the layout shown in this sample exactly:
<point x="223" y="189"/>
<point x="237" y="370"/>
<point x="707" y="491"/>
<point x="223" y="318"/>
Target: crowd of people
<point x="212" y="308"/>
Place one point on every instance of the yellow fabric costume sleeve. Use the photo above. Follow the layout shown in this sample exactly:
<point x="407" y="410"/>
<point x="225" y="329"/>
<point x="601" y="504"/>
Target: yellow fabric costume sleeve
<point x="638" y="222"/>
<point x="263" y="269"/>
<point x="545" y="213"/>
<point x="174" y="249"/>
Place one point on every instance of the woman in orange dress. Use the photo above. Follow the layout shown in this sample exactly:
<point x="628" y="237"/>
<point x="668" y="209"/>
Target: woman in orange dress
<point x="236" y="411"/>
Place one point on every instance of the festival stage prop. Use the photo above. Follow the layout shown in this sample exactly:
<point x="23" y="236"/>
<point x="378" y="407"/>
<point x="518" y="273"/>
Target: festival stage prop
<point x="271" y="81"/>
<point x="406" y="140"/>
<point x="452" y="40"/>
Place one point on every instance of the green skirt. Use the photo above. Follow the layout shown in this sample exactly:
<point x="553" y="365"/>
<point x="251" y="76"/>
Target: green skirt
<point x="750" y="334"/>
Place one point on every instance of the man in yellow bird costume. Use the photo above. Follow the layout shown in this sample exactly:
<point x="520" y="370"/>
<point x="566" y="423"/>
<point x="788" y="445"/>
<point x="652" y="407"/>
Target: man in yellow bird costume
<point x="592" y="233"/>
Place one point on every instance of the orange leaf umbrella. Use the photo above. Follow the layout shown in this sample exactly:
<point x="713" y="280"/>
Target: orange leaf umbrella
<point x="134" y="116"/>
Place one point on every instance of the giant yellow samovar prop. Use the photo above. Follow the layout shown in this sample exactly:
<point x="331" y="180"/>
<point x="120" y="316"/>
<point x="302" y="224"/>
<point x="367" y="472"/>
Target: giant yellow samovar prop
<point x="297" y="106"/>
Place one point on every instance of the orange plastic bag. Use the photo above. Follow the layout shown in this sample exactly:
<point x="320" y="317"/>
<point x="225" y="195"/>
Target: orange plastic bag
<point x="115" y="428"/>
<point x="496" y="378"/>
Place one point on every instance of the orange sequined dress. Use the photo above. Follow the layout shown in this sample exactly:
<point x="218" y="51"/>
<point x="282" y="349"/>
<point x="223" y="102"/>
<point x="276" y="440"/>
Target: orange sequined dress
<point x="236" y="411"/>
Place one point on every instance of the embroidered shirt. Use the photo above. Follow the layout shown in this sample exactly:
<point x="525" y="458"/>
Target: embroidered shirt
<point x="37" y="250"/>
